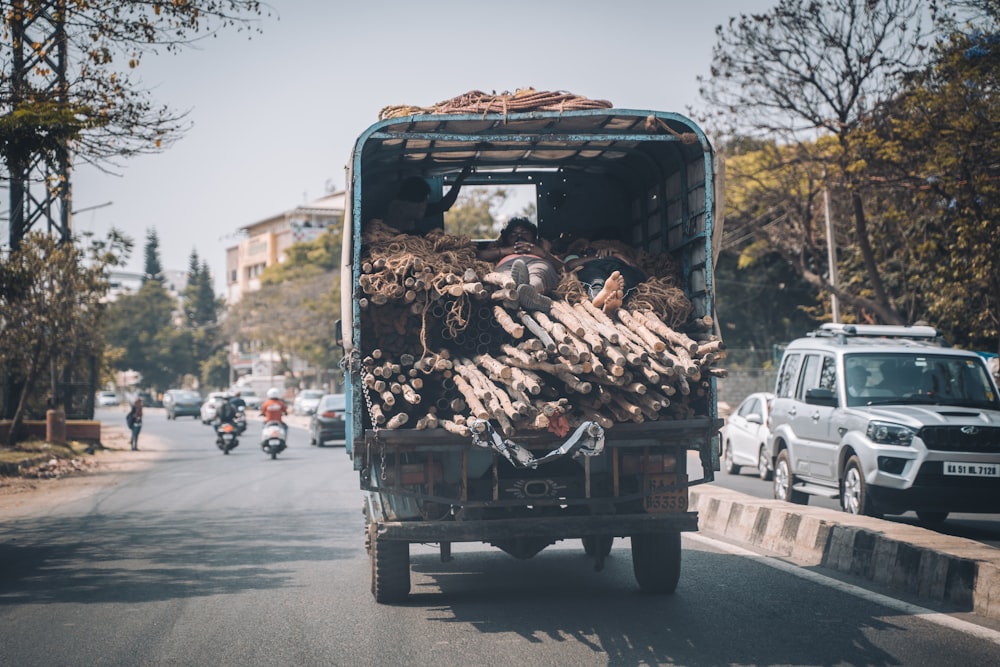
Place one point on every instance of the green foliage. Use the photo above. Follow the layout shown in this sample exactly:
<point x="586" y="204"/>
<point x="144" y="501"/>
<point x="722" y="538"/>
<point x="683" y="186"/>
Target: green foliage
<point x="152" y="265"/>
<point x="103" y="111"/>
<point x="938" y="142"/>
<point x="473" y="214"/>
<point x="141" y="325"/>
<point x="51" y="298"/>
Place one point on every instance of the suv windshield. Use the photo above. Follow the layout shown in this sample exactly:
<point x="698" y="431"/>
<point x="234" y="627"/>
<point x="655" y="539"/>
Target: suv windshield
<point x="874" y="379"/>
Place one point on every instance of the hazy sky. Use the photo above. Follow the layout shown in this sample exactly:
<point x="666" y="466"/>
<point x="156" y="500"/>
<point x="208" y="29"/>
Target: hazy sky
<point x="275" y="115"/>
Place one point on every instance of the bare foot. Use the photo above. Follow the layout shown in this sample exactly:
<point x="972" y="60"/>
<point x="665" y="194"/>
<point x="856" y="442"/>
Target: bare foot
<point x="613" y="302"/>
<point x="613" y="290"/>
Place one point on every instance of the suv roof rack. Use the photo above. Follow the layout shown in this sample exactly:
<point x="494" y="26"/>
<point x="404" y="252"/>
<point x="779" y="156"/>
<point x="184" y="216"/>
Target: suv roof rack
<point x="844" y="331"/>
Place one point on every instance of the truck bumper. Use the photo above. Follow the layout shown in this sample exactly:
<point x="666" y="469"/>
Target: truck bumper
<point x="555" y="528"/>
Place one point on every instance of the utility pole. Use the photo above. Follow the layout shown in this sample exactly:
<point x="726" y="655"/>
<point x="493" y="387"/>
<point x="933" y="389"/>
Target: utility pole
<point x="831" y="253"/>
<point x="37" y="158"/>
<point x="38" y="161"/>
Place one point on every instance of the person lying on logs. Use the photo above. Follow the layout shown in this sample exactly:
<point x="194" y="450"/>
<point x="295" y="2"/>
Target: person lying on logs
<point x="522" y="253"/>
<point x="608" y="273"/>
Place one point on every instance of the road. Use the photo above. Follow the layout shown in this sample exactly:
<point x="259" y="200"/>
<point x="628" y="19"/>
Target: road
<point x="983" y="528"/>
<point x="195" y="558"/>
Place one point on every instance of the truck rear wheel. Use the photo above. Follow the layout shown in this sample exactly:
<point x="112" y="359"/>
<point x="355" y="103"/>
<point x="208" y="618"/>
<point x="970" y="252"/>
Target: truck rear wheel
<point x="656" y="561"/>
<point x="390" y="568"/>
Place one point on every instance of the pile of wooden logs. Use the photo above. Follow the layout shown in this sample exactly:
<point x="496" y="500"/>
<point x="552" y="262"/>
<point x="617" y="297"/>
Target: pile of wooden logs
<point x="446" y="341"/>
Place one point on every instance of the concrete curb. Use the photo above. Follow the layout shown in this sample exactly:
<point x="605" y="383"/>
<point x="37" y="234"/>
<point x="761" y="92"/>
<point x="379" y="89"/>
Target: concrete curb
<point x="951" y="570"/>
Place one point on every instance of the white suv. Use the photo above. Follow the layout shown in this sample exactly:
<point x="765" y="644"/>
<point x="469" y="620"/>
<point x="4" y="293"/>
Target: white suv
<point x="887" y="419"/>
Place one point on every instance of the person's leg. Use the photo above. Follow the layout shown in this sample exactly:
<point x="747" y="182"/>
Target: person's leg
<point x="612" y="292"/>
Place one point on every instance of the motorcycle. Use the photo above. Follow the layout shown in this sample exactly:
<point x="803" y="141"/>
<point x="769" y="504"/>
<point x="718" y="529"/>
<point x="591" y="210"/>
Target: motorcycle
<point x="227" y="436"/>
<point x="240" y="420"/>
<point x="272" y="438"/>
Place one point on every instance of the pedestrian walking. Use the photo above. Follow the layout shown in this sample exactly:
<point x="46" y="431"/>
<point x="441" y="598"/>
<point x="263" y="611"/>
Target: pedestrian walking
<point x="134" y="421"/>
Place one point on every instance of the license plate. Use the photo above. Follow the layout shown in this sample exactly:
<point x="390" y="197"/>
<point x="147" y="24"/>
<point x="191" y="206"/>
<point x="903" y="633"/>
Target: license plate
<point x="660" y="497"/>
<point x="972" y="469"/>
<point x="274" y="441"/>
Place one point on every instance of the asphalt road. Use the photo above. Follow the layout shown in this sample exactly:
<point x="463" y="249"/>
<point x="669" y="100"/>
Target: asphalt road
<point x="195" y="558"/>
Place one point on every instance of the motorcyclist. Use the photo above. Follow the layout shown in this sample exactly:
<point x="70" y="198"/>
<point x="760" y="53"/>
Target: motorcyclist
<point x="226" y="413"/>
<point x="274" y="409"/>
<point x="240" y="406"/>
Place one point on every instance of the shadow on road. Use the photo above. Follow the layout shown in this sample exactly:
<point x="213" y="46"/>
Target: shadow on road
<point x="138" y="557"/>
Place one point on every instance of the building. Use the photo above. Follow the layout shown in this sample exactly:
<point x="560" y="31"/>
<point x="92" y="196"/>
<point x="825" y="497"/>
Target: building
<point x="264" y="242"/>
<point x="129" y="282"/>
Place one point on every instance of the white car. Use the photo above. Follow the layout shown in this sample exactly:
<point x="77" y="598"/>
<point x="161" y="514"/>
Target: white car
<point x="107" y="399"/>
<point x="307" y="401"/>
<point x="211" y="406"/>
<point x="744" y="436"/>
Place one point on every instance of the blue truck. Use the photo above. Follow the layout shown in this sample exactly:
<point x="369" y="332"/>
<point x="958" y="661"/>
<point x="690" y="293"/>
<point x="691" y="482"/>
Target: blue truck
<point x="472" y="420"/>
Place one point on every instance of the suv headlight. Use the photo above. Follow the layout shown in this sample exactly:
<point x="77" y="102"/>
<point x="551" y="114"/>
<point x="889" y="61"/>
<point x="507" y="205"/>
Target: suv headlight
<point x="887" y="433"/>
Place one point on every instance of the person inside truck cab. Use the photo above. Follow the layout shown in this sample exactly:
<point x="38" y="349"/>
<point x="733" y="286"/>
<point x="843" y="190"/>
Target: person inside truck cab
<point x="520" y="251"/>
<point x="411" y="212"/>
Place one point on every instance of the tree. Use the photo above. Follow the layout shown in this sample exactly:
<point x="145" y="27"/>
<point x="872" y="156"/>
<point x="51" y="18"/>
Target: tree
<point x="51" y="305"/>
<point x="142" y="326"/>
<point x="152" y="266"/>
<point x="936" y="145"/>
<point x="473" y="213"/>
<point x="815" y="69"/>
<point x="201" y="316"/>
<point x="99" y="106"/>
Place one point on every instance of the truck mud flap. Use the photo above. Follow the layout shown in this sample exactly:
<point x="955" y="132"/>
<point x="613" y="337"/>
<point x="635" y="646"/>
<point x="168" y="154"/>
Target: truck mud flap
<point x="554" y="528"/>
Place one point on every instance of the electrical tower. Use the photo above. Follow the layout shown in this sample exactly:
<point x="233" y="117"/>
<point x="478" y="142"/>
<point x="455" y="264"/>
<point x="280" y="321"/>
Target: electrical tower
<point x="37" y="159"/>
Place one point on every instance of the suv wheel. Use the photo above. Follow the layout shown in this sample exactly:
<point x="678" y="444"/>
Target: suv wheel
<point x="854" y="497"/>
<point x="784" y="480"/>
<point x="731" y="467"/>
<point x="763" y="464"/>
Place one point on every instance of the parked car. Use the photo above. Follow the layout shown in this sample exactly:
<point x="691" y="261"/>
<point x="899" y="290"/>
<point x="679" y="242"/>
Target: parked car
<point x="889" y="420"/>
<point x="744" y="436"/>
<point x="327" y="422"/>
<point x="211" y="406"/>
<point x="182" y="403"/>
<point x="252" y="398"/>
<point x="307" y="401"/>
<point x="107" y="399"/>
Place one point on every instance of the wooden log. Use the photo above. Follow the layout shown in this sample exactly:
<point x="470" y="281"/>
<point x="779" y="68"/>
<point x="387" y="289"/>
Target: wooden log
<point x="455" y="428"/>
<point x="710" y="348"/>
<point x="633" y="323"/>
<point x="410" y="396"/>
<point x="397" y="420"/>
<point x="677" y="340"/>
<point x="567" y="317"/>
<point x="534" y="327"/>
<point x="378" y="417"/>
<point x="492" y="366"/>
<point x="500" y="279"/>
<point x="603" y="328"/>
<point x="475" y="405"/>
<point x="507" y="323"/>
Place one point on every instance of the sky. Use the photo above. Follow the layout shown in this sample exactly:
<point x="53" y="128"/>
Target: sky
<point x="274" y="115"/>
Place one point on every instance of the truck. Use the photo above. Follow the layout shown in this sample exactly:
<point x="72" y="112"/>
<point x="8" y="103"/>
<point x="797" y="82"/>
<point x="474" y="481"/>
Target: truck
<point x="471" y="419"/>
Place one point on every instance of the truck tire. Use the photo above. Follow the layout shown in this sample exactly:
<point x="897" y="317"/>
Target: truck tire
<point x="390" y="568"/>
<point x="656" y="561"/>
